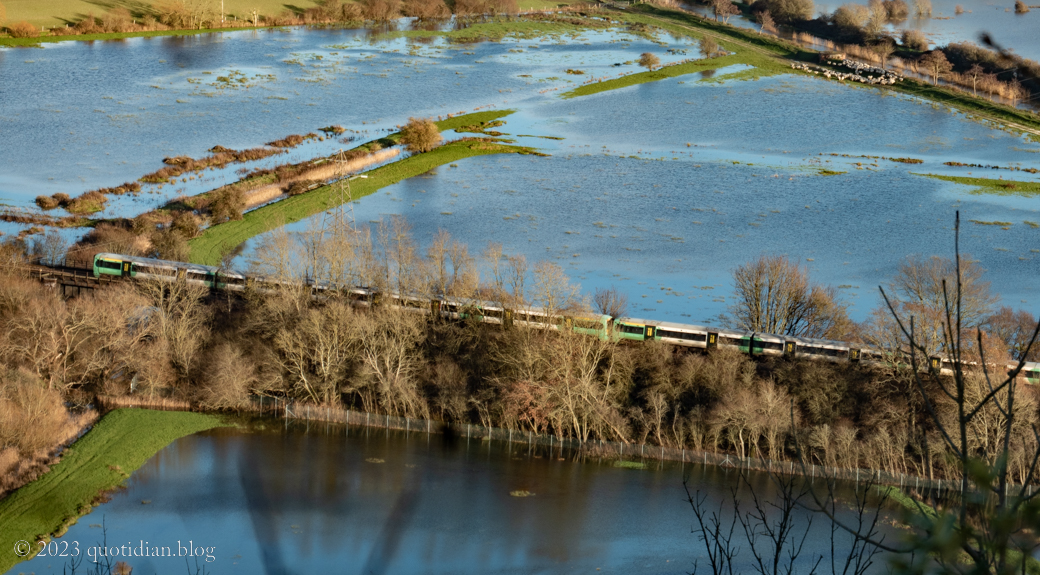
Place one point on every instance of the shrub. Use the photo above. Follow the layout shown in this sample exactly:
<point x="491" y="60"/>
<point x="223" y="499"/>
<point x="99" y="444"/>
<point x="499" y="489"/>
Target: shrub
<point x="420" y="135"/>
<point x="87" y="203"/>
<point x="107" y="237"/>
<point x="896" y="10"/>
<point x="169" y="244"/>
<point x="187" y="224"/>
<point x="914" y="40"/>
<point x="649" y="61"/>
<point x="380" y="10"/>
<point x="47" y="202"/>
<point x="228" y="204"/>
<point x="34" y="416"/>
<point x="791" y="10"/>
<point x="424" y="9"/>
<point x="851" y="16"/>
<point x="302" y="186"/>
<point x="23" y="29"/>
<point x="923" y="8"/>
<point x="1020" y="7"/>
<point x="708" y="47"/>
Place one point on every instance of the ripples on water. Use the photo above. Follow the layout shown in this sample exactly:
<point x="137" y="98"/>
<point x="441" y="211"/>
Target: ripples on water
<point x="624" y="201"/>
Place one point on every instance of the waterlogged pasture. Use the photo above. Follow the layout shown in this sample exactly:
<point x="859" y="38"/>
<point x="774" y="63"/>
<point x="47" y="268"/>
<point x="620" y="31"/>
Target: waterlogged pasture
<point x="363" y="501"/>
<point x="96" y="114"/>
<point x="663" y="188"/>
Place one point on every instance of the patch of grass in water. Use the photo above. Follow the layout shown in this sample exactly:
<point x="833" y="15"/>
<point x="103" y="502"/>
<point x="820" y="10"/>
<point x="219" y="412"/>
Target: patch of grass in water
<point x="1005" y="225"/>
<point x="830" y="173"/>
<point x="990" y="186"/>
<point x="630" y="464"/>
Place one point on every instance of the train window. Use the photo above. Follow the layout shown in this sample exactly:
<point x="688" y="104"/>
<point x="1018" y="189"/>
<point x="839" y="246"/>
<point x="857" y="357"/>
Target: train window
<point x="680" y="335"/>
<point x="493" y="313"/>
<point x="109" y="265"/>
<point x="587" y="324"/>
<point x="625" y="328"/>
<point x="768" y="344"/>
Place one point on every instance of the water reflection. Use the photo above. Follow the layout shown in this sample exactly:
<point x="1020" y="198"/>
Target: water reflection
<point x="332" y="499"/>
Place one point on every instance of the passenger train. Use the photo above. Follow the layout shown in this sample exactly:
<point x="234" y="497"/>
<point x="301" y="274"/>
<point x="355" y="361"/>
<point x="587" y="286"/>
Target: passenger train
<point x="602" y="326"/>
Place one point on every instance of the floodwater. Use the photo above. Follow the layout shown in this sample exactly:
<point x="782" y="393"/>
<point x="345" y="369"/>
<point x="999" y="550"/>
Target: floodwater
<point x="624" y="201"/>
<point x="357" y="500"/>
<point x="661" y="189"/>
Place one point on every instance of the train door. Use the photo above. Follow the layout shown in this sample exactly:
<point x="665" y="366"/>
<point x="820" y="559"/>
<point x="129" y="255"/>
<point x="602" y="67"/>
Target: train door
<point x="126" y="269"/>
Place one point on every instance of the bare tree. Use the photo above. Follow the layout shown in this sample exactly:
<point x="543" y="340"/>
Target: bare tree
<point x="985" y="524"/>
<point x="552" y="288"/>
<point x="776" y="296"/>
<point x="611" y="301"/>
<point x="708" y="47"/>
<point x="936" y="64"/>
<point x="724" y="9"/>
<point x="975" y="72"/>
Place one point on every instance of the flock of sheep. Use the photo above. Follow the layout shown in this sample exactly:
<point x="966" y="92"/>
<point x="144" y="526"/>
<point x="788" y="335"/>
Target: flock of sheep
<point x="859" y="69"/>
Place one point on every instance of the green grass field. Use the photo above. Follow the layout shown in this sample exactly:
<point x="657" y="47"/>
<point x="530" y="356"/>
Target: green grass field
<point x="119" y="443"/>
<point x="206" y="248"/>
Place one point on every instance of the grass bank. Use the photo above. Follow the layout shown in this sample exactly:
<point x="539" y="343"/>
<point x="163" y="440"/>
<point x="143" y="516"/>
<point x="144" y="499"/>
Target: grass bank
<point x="761" y="67"/>
<point x="206" y="248"/>
<point x="990" y="186"/>
<point x="102" y="459"/>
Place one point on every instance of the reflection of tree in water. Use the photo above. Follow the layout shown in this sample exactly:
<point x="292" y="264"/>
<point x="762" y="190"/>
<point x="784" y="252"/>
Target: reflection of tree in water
<point x="329" y="497"/>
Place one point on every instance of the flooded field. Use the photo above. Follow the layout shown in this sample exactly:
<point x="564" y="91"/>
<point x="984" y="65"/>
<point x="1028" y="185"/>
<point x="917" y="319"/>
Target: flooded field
<point x="660" y="188"/>
<point x="364" y="501"/>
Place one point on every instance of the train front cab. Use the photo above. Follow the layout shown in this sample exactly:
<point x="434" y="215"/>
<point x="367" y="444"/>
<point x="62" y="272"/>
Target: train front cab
<point x="111" y="266"/>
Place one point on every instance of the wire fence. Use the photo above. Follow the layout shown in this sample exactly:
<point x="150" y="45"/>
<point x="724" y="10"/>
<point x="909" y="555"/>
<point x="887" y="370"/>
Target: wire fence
<point x="289" y="410"/>
<point x="623" y="451"/>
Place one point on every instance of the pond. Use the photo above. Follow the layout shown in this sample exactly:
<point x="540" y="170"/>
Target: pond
<point x="362" y="500"/>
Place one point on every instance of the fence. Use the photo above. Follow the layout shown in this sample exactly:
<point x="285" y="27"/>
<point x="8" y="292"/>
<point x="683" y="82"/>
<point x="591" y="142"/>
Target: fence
<point x="622" y="451"/>
<point x="593" y="448"/>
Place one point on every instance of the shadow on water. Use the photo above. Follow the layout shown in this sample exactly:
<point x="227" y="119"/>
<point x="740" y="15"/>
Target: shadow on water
<point x="311" y="497"/>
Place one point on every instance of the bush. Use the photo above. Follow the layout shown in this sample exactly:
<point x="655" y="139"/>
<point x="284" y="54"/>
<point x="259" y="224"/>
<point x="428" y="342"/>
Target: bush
<point x="914" y="40"/>
<point x="23" y="29"/>
<point x="34" y="417"/>
<point x="187" y="224"/>
<point x="896" y="10"/>
<point x="791" y="10"/>
<point x="1020" y="7"/>
<point x="649" y="61"/>
<point x="169" y="244"/>
<point x="228" y="204"/>
<point x="425" y="9"/>
<point x="107" y="237"/>
<point x="300" y="187"/>
<point x="420" y="135"/>
<point x="87" y="203"/>
<point x="47" y="202"/>
<point x="380" y="10"/>
<point x="851" y="16"/>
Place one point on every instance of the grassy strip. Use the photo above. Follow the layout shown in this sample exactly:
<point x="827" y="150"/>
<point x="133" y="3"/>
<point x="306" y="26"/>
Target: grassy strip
<point x="762" y="66"/>
<point x="102" y="459"/>
<point x="206" y="248"/>
<point x="989" y="186"/>
<point x="781" y="48"/>
<point x="35" y="42"/>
